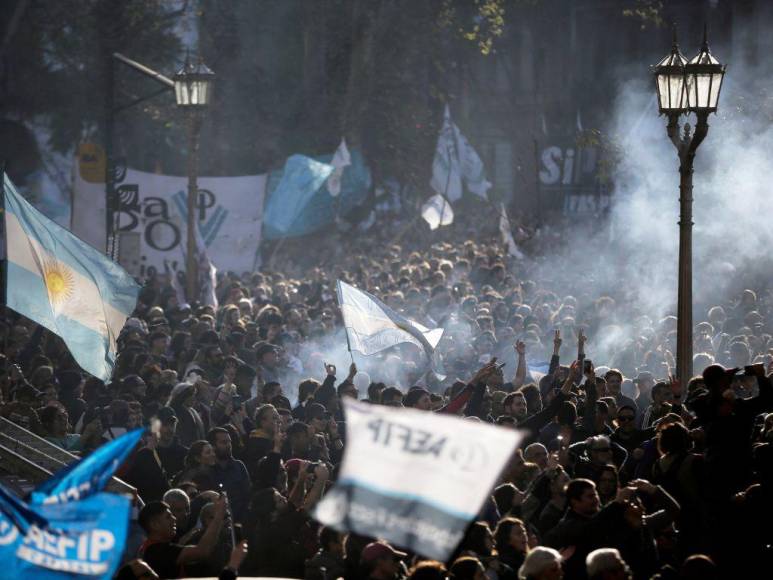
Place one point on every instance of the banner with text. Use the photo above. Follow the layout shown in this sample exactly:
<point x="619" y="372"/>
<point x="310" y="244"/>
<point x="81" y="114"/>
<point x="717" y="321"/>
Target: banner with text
<point x="414" y="478"/>
<point x="154" y="207"/>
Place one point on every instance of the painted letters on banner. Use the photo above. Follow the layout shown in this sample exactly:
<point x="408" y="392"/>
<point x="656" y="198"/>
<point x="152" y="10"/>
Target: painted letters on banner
<point x="414" y="478"/>
<point x="154" y="206"/>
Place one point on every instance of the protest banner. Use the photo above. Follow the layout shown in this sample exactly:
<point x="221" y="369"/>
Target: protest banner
<point x="414" y="478"/>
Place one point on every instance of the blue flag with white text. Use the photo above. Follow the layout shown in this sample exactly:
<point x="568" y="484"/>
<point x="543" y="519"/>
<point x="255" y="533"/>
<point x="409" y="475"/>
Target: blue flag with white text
<point x="88" y="476"/>
<point x="76" y="540"/>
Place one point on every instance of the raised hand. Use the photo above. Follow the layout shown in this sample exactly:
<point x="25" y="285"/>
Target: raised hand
<point x="557" y="342"/>
<point x="330" y="370"/>
<point x="485" y="372"/>
<point x="520" y="347"/>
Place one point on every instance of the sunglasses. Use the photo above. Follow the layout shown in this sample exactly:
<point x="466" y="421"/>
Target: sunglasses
<point x="625" y="417"/>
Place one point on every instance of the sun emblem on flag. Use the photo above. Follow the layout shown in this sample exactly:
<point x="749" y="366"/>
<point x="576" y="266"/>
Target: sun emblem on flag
<point x="60" y="282"/>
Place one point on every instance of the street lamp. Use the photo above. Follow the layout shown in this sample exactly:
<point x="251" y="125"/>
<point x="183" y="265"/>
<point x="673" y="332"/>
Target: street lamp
<point x="683" y="88"/>
<point x="193" y="91"/>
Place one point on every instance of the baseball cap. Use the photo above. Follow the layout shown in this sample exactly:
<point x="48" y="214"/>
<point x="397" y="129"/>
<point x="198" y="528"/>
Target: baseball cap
<point x="376" y="550"/>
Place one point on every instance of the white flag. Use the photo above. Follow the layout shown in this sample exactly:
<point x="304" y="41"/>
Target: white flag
<point x="446" y="173"/>
<point x="371" y="326"/>
<point x="414" y="478"/>
<point x="340" y="160"/>
<point x="207" y="273"/>
<point x="507" y="234"/>
<point x="437" y="212"/>
<point x="456" y="160"/>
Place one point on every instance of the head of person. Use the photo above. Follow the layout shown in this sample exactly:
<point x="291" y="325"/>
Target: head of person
<point x="607" y="564"/>
<point x="266" y="354"/>
<point x="479" y="539"/>
<point x="267" y="419"/>
<point x="514" y="405"/>
<point x="298" y="435"/>
<point x="380" y="560"/>
<point x="306" y="389"/>
<point x="536" y="453"/>
<point x="317" y="417"/>
<point x="674" y="439"/>
<point x="541" y="563"/>
<point x="660" y="393"/>
<point x="332" y="541"/>
<point x="467" y="568"/>
<point x="599" y="449"/>
<point x="582" y="497"/>
<point x="607" y="481"/>
<point x="428" y="570"/>
<point x="200" y="454"/>
<point x="179" y="504"/>
<point x="392" y="397"/>
<point x="511" y="532"/>
<point x="699" y="567"/>
<point x="158" y="522"/>
<point x="220" y="440"/>
<point x="558" y="479"/>
<point x="614" y="380"/>
<point x="626" y="418"/>
<point x="55" y="421"/>
<point x="417" y="398"/>
<point x="168" y="426"/>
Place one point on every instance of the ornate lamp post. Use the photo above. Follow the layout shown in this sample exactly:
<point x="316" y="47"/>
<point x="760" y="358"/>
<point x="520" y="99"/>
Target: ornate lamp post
<point x="193" y="91"/>
<point x="683" y="88"/>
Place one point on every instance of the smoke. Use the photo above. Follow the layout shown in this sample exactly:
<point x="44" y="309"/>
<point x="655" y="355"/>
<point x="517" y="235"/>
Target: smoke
<point x="633" y="256"/>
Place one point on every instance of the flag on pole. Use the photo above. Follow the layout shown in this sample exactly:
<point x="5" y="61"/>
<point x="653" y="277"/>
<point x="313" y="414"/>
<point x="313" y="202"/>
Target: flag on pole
<point x="446" y="173"/>
<point x="207" y="273"/>
<point x="507" y="234"/>
<point x="62" y="283"/>
<point x="340" y="160"/>
<point x="414" y="478"/>
<point x="301" y="179"/>
<point x="68" y="541"/>
<point x="456" y="160"/>
<point x="437" y="212"/>
<point x="371" y="326"/>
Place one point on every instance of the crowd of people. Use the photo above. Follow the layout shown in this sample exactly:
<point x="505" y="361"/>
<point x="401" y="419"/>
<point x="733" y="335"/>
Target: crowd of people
<point x="624" y="471"/>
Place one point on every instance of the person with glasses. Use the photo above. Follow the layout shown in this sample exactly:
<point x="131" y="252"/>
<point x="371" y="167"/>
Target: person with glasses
<point x="630" y="438"/>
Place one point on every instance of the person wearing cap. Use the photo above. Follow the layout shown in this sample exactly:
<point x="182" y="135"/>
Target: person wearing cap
<point x="170" y="451"/>
<point x="380" y="561"/>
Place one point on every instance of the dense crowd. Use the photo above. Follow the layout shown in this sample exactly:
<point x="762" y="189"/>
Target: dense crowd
<point x="624" y="471"/>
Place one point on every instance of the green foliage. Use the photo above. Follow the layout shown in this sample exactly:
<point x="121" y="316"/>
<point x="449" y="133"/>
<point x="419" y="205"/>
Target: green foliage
<point x="647" y="12"/>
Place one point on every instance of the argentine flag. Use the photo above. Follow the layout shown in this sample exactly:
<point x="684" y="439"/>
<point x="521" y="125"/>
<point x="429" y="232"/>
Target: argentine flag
<point x="65" y="285"/>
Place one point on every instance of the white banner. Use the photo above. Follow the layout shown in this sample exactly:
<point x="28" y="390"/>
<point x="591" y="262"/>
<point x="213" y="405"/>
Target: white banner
<point x="230" y="211"/>
<point x="414" y="478"/>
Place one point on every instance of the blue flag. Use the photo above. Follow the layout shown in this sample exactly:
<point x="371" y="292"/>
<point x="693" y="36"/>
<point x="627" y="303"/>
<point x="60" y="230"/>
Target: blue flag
<point x="89" y="475"/>
<point x="62" y="283"/>
<point x="301" y="179"/>
<point x="76" y="540"/>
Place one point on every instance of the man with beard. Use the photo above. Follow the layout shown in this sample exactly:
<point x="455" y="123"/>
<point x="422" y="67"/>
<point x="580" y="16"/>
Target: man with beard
<point x="230" y="473"/>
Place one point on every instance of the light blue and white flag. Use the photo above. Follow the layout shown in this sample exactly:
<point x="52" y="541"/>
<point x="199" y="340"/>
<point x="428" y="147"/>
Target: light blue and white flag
<point x="414" y="478"/>
<point x="65" y="285"/>
<point x="301" y="179"/>
<point x="371" y="326"/>
<point x="456" y="160"/>
<point x="71" y="541"/>
<point x="88" y="476"/>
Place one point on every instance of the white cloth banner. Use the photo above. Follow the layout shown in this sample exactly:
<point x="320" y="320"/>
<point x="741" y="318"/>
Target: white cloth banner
<point x="413" y="477"/>
<point x="507" y="234"/>
<point x="230" y="211"/>
<point x="437" y="212"/>
<point x="455" y="159"/>
<point x="340" y="160"/>
<point x="372" y="326"/>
